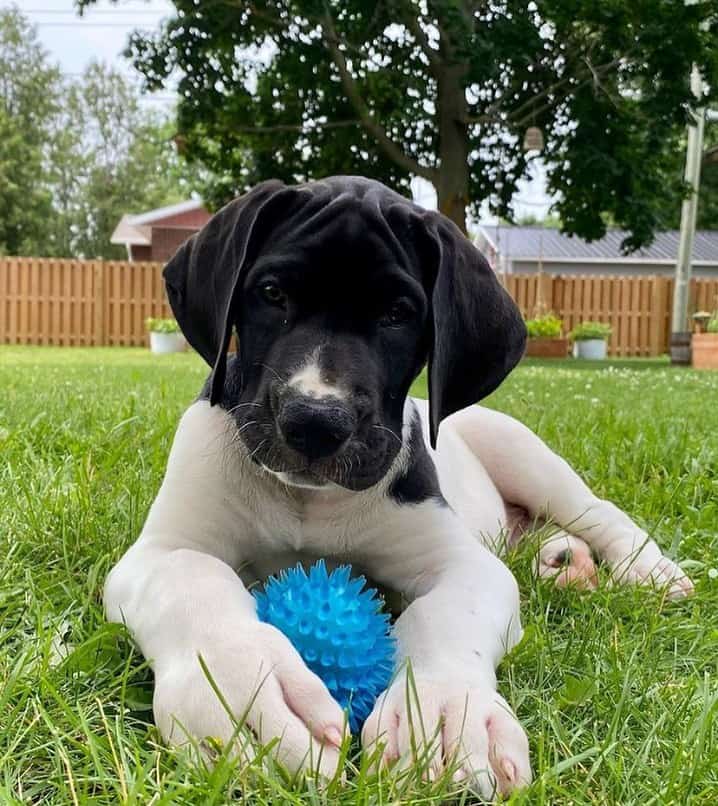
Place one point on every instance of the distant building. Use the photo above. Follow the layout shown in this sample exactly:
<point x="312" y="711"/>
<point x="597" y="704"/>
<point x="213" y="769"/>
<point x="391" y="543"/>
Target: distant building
<point x="519" y="250"/>
<point x="156" y="234"/>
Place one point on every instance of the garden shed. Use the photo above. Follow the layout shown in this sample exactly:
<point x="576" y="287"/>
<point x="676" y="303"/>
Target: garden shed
<point x="528" y="250"/>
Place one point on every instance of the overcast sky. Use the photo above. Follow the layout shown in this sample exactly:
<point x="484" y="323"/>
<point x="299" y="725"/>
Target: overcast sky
<point x="101" y="34"/>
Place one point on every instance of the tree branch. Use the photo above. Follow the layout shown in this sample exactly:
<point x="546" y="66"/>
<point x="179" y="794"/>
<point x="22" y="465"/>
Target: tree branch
<point x="295" y="127"/>
<point x="366" y="117"/>
<point x="412" y="23"/>
<point x="529" y="106"/>
<point x="282" y="27"/>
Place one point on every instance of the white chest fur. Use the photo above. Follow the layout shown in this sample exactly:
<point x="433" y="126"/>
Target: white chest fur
<point x="248" y="513"/>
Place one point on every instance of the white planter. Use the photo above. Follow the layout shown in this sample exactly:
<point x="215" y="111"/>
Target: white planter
<point x="593" y="349"/>
<point x="162" y="343"/>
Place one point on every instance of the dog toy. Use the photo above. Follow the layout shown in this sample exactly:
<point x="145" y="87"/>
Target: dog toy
<point x="338" y="627"/>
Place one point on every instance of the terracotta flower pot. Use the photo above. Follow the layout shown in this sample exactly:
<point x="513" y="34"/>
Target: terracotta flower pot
<point x="546" y="348"/>
<point x="705" y="350"/>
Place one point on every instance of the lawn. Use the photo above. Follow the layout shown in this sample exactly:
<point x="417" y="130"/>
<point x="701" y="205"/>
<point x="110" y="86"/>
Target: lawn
<point x="617" y="689"/>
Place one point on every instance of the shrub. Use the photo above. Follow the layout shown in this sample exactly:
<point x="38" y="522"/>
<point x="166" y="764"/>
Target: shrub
<point x="162" y="325"/>
<point x="547" y="326"/>
<point x="712" y="326"/>
<point x="590" y="330"/>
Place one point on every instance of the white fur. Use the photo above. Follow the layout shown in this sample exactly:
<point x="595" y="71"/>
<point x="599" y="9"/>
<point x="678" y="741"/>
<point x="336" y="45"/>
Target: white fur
<point x="220" y="523"/>
<point x="309" y="381"/>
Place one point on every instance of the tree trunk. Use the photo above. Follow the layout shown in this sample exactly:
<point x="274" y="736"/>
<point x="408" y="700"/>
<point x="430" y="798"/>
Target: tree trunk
<point x="452" y="187"/>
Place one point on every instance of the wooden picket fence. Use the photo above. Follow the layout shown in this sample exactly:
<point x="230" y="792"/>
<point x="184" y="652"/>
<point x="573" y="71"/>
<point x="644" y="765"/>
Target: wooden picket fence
<point x="638" y="308"/>
<point x="78" y="302"/>
<point x="94" y="302"/>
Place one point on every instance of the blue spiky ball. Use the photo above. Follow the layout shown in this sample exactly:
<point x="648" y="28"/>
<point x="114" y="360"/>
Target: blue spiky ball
<point x="338" y="627"/>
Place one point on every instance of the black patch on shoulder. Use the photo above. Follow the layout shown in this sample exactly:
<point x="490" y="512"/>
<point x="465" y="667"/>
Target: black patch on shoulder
<point x="232" y="384"/>
<point x="420" y="481"/>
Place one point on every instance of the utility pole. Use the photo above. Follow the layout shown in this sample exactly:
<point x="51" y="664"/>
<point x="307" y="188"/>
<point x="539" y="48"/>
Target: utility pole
<point x="680" y="331"/>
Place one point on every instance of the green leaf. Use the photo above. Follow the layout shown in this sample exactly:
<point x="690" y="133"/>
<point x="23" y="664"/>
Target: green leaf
<point x="576" y="691"/>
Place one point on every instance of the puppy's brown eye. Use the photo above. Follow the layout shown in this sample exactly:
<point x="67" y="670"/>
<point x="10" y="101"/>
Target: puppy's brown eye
<point x="399" y="314"/>
<point x="274" y="295"/>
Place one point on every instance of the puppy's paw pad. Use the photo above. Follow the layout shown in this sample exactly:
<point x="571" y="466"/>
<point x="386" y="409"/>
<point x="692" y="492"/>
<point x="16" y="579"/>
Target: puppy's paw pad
<point x="568" y="561"/>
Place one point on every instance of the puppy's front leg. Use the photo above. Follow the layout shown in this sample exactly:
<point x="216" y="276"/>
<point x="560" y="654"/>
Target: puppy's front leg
<point x="178" y="594"/>
<point x="464" y="618"/>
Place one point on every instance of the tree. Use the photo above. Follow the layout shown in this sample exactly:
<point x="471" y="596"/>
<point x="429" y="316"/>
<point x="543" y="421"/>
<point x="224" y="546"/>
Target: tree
<point x="111" y="157"/>
<point x="547" y="222"/>
<point x="28" y="88"/>
<point x="707" y="212"/>
<point x="445" y="90"/>
<point x="25" y="206"/>
<point x="707" y="217"/>
<point x="75" y="156"/>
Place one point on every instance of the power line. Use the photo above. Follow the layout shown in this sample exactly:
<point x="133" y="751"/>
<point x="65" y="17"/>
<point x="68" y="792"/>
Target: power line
<point x="82" y="24"/>
<point x="111" y="11"/>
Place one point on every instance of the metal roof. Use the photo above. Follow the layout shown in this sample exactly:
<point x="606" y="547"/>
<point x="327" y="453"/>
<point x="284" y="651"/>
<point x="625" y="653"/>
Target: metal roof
<point x="530" y="243"/>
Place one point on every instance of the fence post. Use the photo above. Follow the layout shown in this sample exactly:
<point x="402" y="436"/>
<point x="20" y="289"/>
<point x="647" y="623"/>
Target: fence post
<point x="544" y="295"/>
<point x="659" y="315"/>
<point x="100" y="325"/>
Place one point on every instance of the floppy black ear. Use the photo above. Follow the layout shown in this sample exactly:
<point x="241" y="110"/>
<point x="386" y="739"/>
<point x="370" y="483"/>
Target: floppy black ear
<point x="203" y="276"/>
<point x="479" y="334"/>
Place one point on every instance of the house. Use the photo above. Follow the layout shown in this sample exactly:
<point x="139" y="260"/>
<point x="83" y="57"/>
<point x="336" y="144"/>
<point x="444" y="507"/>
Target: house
<point x="526" y="250"/>
<point x="156" y="234"/>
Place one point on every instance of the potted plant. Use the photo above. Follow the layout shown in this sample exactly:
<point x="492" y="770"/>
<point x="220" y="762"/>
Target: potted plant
<point x="701" y="319"/>
<point x="545" y="337"/>
<point x="705" y="345"/>
<point x="165" y="336"/>
<point x="590" y="340"/>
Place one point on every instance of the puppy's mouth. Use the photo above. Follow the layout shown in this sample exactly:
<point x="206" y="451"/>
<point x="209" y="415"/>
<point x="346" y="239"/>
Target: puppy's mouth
<point x="305" y="479"/>
<point x="361" y="463"/>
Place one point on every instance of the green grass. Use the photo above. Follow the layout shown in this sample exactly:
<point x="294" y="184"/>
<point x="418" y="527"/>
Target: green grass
<point x="617" y="689"/>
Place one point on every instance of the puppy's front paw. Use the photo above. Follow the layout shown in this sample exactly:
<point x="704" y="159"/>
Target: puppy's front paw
<point x="436" y="725"/>
<point x="645" y="564"/>
<point x="267" y="688"/>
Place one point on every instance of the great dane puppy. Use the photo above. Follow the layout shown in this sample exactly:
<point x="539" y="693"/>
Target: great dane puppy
<point x="305" y="445"/>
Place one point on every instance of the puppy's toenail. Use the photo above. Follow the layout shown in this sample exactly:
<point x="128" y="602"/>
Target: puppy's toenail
<point x="334" y="736"/>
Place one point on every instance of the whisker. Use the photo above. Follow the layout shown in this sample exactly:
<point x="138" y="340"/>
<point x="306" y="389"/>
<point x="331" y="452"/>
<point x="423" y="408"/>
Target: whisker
<point x="257" y="449"/>
<point x="242" y="405"/>
<point x="384" y="428"/>
<point x="271" y="369"/>
<point x="246" y="425"/>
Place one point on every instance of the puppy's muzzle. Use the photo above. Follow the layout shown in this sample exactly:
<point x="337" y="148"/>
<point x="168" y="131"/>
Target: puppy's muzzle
<point x="316" y="428"/>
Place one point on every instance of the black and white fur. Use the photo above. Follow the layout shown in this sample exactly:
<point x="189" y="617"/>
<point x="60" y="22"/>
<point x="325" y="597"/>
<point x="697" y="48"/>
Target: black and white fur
<point x="305" y="445"/>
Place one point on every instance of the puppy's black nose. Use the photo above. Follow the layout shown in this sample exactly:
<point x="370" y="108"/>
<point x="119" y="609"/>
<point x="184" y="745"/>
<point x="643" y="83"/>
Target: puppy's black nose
<point x="316" y="428"/>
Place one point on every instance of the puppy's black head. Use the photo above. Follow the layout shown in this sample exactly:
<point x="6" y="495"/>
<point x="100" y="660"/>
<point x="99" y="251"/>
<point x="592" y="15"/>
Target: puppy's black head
<point x="339" y="291"/>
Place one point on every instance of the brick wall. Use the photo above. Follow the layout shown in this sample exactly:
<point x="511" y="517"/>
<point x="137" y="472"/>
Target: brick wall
<point x="192" y="219"/>
<point x="140" y="253"/>
<point x="166" y="241"/>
